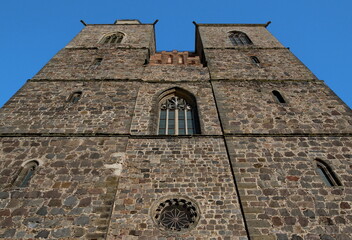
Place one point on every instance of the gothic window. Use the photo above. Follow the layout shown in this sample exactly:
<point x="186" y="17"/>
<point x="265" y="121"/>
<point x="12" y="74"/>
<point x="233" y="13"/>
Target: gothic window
<point x="239" y="39"/>
<point x="113" y="38"/>
<point x="278" y="96"/>
<point x="326" y="174"/>
<point x="177" y="115"/>
<point x="26" y="173"/>
<point x="75" y="97"/>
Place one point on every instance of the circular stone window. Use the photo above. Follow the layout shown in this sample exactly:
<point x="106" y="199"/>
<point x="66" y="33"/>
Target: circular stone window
<point x="176" y="214"/>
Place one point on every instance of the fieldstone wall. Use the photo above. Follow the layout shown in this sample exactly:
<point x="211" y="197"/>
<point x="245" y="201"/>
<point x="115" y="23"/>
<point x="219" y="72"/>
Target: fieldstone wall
<point x="216" y="36"/>
<point x="136" y="36"/>
<point x="104" y="107"/>
<point x="275" y="64"/>
<point x="106" y="186"/>
<point x="71" y="194"/>
<point x="283" y="195"/>
<point x="146" y="112"/>
<point x="193" y="167"/>
<point x="78" y="64"/>
<point x="251" y="107"/>
<point x="171" y="73"/>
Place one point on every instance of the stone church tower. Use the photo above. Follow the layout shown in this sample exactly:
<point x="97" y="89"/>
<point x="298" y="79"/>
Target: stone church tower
<point x="113" y="140"/>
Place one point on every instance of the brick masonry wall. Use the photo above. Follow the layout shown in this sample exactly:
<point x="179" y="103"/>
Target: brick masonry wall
<point x="163" y="73"/>
<point x="283" y="195"/>
<point x="250" y="107"/>
<point x="70" y="196"/>
<point x="193" y="167"/>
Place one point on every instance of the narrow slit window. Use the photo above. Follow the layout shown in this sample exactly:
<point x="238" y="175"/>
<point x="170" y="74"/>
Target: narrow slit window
<point x="326" y="174"/>
<point x="255" y="60"/>
<point x="96" y="63"/>
<point x="75" y="97"/>
<point x="278" y="96"/>
<point x="26" y="174"/>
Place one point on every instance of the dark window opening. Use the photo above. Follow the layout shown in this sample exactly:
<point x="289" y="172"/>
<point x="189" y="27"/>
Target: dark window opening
<point x="26" y="174"/>
<point x="96" y="63"/>
<point x="278" y="96"/>
<point x="113" y="38"/>
<point x="255" y="60"/>
<point x="75" y="97"/>
<point x="239" y="39"/>
<point x="327" y="174"/>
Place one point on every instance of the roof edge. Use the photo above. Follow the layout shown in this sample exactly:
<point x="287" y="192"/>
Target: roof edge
<point x="233" y="24"/>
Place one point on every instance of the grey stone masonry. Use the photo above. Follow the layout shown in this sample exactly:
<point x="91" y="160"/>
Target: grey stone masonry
<point x="269" y="157"/>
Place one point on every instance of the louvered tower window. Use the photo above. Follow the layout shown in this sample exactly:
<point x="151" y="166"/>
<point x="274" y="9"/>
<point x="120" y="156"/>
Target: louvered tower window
<point x="239" y="39"/>
<point x="113" y="38"/>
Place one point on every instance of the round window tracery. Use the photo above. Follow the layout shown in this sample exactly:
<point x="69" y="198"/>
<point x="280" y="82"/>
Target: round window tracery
<point x="176" y="214"/>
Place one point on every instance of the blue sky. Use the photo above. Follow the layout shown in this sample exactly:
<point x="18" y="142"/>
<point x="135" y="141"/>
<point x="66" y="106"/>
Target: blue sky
<point x="319" y="33"/>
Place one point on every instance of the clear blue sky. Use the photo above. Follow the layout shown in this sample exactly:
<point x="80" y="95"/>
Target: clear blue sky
<point x="319" y="33"/>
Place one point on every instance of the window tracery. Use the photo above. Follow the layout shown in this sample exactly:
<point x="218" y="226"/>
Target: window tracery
<point x="239" y="39"/>
<point x="177" y="214"/>
<point x="113" y="38"/>
<point x="176" y="117"/>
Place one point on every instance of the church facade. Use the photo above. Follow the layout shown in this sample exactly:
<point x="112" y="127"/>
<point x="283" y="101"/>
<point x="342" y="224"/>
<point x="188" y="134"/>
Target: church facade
<point x="237" y="140"/>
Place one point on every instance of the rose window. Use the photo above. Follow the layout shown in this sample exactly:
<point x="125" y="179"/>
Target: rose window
<point x="176" y="215"/>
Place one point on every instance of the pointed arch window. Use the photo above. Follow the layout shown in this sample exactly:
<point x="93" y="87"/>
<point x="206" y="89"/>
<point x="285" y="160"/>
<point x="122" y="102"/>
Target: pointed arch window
<point x="326" y="174"/>
<point x="26" y="174"/>
<point x="278" y="96"/>
<point x="178" y="115"/>
<point x="113" y="38"/>
<point x="239" y="39"/>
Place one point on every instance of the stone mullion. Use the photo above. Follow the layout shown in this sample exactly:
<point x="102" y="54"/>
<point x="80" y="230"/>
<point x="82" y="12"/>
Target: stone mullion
<point x="186" y="124"/>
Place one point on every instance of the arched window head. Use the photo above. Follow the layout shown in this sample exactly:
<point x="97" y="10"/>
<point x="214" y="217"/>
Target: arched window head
<point x="326" y="174"/>
<point x="239" y="39"/>
<point x="278" y="96"/>
<point x="113" y="38"/>
<point x="26" y="173"/>
<point x="178" y="114"/>
<point x="75" y="97"/>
